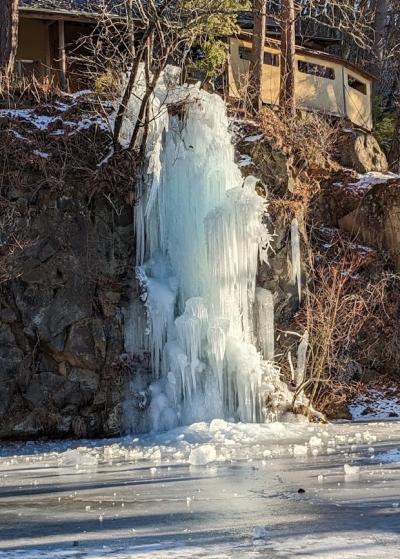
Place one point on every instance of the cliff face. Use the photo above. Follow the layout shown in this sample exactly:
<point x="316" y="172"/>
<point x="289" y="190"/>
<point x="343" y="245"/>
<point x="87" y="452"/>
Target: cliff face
<point x="376" y="219"/>
<point x="349" y="228"/>
<point x="66" y="267"/>
<point x="66" y="251"/>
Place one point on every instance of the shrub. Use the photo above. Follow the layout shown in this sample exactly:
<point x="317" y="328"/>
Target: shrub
<point x="107" y="84"/>
<point x="309" y="137"/>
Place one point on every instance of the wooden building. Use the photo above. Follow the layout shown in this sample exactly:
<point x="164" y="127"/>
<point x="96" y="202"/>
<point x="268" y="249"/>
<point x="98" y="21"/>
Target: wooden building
<point x="323" y="82"/>
<point x="48" y="30"/>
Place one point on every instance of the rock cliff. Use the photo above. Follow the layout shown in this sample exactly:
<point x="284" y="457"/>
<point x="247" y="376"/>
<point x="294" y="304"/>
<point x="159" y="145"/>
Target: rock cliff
<point x="65" y="254"/>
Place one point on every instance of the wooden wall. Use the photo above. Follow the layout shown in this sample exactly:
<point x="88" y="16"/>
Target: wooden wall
<point x="327" y="91"/>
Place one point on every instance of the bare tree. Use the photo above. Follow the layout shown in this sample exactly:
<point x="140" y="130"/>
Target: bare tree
<point x="394" y="154"/>
<point x="257" y="57"/>
<point x="171" y="28"/>
<point x="8" y="36"/>
<point x="381" y="12"/>
<point x="288" y="51"/>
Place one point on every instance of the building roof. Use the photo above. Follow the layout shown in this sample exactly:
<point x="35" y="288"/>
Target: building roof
<point x="65" y="5"/>
<point x="70" y="8"/>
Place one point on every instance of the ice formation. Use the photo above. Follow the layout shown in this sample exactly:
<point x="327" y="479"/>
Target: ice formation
<point x="296" y="256"/>
<point x="265" y="322"/>
<point x="199" y="236"/>
<point x="203" y="454"/>
<point x="301" y="359"/>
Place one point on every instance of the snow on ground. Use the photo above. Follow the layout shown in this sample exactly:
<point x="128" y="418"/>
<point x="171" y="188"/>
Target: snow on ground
<point x="42" y="122"/>
<point x="222" y="490"/>
<point x="254" y="138"/>
<point x="245" y="161"/>
<point x="42" y="154"/>
<point x="366" y="181"/>
<point x="377" y="403"/>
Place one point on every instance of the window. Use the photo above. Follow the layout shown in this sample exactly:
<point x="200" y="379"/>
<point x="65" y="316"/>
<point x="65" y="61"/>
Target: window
<point x="356" y="84"/>
<point x="244" y="53"/>
<point x="316" y="70"/>
<point x="269" y="58"/>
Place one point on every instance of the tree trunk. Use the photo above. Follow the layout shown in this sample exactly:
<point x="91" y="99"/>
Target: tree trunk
<point x="394" y="155"/>
<point x="257" y="55"/>
<point x="129" y="86"/>
<point x="142" y="121"/>
<point x="133" y="74"/>
<point x="381" y="11"/>
<point x="288" y="50"/>
<point x="8" y="36"/>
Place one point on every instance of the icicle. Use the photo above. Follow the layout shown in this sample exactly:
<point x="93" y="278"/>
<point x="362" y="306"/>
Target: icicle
<point x="292" y="372"/>
<point x="216" y="337"/>
<point x="296" y="256"/>
<point x="136" y="340"/>
<point x="301" y="359"/>
<point x="265" y="322"/>
<point x="159" y="300"/>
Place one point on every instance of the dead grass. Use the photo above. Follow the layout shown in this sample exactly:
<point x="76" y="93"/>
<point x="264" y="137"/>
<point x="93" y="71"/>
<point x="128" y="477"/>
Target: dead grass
<point x="39" y="166"/>
<point x="345" y="311"/>
<point x="351" y="303"/>
<point x="309" y="143"/>
<point x="308" y="137"/>
<point x="30" y="91"/>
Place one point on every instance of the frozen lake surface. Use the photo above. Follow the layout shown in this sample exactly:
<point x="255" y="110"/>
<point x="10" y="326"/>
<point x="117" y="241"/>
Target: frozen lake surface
<point x="221" y="490"/>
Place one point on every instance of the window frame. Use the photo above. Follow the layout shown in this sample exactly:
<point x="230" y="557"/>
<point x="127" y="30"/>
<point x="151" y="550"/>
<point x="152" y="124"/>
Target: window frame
<point x="363" y="89"/>
<point x="326" y="69"/>
<point x="274" y="58"/>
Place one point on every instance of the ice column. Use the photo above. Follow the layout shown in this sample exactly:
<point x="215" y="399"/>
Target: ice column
<point x="199" y="232"/>
<point x="265" y="322"/>
<point x="296" y="256"/>
<point x="301" y="359"/>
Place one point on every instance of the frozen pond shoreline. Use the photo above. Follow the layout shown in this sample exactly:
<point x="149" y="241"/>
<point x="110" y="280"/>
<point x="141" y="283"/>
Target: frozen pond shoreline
<point x="219" y="490"/>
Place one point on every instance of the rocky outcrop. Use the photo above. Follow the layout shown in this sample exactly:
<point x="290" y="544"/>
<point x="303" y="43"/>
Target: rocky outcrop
<point x="346" y="216"/>
<point x="259" y="155"/>
<point x="360" y="151"/>
<point x="376" y="219"/>
<point x="66" y="260"/>
<point x="61" y="325"/>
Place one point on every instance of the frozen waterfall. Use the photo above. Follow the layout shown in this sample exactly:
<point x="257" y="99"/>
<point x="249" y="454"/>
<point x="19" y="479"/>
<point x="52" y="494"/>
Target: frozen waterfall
<point x="199" y="236"/>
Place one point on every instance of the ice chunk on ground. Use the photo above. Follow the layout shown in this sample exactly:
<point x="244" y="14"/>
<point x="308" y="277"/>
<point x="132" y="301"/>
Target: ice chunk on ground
<point x="202" y="455"/>
<point x="315" y="441"/>
<point x="260" y="533"/>
<point x="300" y="450"/>
<point x="350" y="470"/>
